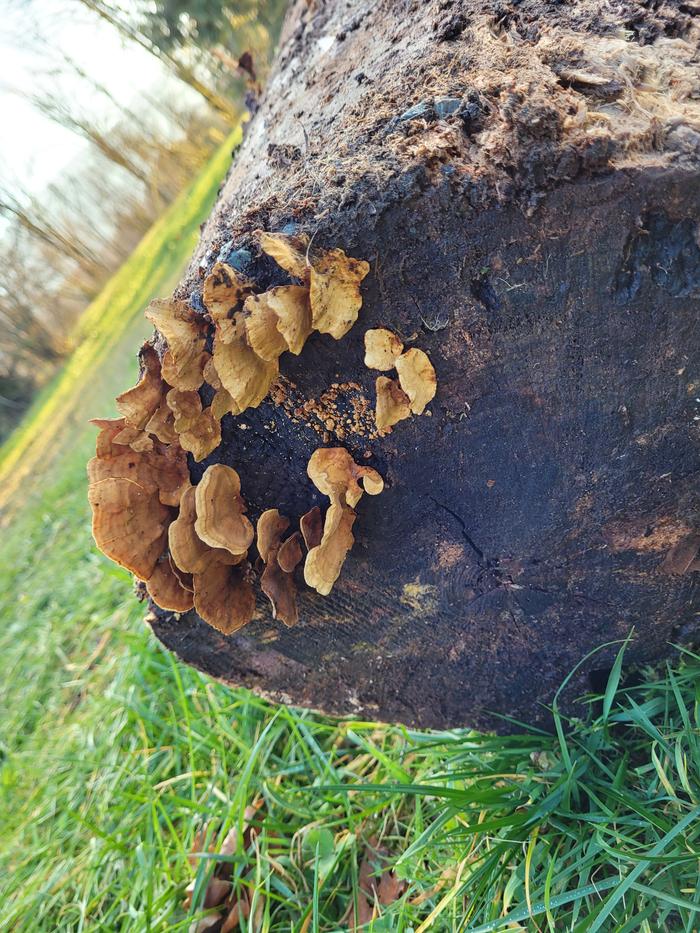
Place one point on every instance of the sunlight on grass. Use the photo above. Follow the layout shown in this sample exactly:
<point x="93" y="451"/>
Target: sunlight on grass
<point x="113" y="755"/>
<point x="151" y="268"/>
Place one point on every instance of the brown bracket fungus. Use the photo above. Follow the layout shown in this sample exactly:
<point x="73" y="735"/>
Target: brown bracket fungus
<point x="393" y="405"/>
<point x="221" y="520"/>
<point x="170" y="589"/>
<point x="243" y="374"/>
<point x="138" y="405"/>
<point x="129" y="524"/>
<point x="417" y="378"/>
<point x="289" y="252"/>
<point x="276" y="580"/>
<point x="333" y="278"/>
<point x="198" y="430"/>
<point x="188" y="551"/>
<point x="382" y="349"/>
<point x="334" y="473"/>
<point x="130" y="493"/>
<point x="223" y="294"/>
<point x="280" y="319"/>
<point x="183" y="364"/>
<point x="223" y="596"/>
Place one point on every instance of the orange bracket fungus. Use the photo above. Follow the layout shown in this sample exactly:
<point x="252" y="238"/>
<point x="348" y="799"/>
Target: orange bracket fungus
<point x="224" y="292"/>
<point x="417" y="382"/>
<point x="138" y="405"/>
<point x="334" y="473"/>
<point x="333" y="278"/>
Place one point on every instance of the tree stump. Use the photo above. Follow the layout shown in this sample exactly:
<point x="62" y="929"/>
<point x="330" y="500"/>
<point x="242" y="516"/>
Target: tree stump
<point x="524" y="180"/>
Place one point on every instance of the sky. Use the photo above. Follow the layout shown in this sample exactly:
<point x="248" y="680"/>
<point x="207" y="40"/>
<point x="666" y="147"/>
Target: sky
<point x="33" y="36"/>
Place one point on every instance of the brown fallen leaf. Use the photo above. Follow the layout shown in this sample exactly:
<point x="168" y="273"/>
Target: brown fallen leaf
<point x="378" y="886"/>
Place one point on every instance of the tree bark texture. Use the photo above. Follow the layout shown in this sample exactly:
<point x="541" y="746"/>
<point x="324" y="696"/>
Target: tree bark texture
<point x="524" y="178"/>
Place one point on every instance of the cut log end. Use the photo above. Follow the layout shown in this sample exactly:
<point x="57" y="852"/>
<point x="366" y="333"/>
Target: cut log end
<point x="529" y="214"/>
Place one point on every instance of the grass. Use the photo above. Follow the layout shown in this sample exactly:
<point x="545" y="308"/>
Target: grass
<point x="113" y="756"/>
<point x="151" y="268"/>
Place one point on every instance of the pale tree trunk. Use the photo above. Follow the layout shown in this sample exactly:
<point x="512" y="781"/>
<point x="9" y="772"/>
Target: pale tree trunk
<point x="524" y="180"/>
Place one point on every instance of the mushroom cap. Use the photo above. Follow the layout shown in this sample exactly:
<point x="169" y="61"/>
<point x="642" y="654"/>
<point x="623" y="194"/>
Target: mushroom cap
<point x="162" y="469"/>
<point x="417" y="378"/>
<point x="334" y="473"/>
<point x="223" y="597"/>
<point x="189" y="553"/>
<point x="221" y="522"/>
<point x="393" y="405"/>
<point x="382" y="348"/>
<point x="271" y="526"/>
<point x="290" y="553"/>
<point x="311" y="526"/>
<point x="261" y="327"/>
<point x="335" y="292"/>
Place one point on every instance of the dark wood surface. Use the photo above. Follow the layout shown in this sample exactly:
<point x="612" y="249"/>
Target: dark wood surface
<point x="529" y="518"/>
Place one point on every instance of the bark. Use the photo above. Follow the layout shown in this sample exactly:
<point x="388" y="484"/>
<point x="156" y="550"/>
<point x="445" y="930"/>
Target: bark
<point x="524" y="180"/>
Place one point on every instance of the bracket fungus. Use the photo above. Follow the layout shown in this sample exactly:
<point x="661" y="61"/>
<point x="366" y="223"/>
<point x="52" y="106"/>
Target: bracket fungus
<point x="198" y="430"/>
<point x="138" y="404"/>
<point x="417" y="382"/>
<point x="393" y="405"/>
<point x="190" y="544"/>
<point x="221" y="520"/>
<point x="333" y="279"/>
<point x="417" y="378"/>
<point x="334" y="473"/>
<point x="224" y="597"/>
<point x="170" y="589"/>
<point x="382" y="349"/>
<point x="223" y="294"/>
<point x="280" y="560"/>
<point x="183" y="364"/>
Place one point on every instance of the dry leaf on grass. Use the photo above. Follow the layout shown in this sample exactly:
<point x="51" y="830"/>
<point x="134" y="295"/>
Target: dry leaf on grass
<point x="378" y="886"/>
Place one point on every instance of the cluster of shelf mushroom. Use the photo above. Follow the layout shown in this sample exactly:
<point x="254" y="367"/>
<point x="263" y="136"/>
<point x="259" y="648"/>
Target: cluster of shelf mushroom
<point x="191" y="545"/>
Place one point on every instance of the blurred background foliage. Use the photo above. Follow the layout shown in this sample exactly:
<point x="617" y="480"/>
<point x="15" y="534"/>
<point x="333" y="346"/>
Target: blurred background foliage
<point x="113" y="108"/>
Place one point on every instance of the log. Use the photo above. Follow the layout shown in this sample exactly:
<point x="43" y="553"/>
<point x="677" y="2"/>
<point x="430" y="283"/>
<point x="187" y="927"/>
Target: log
<point x="524" y="180"/>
